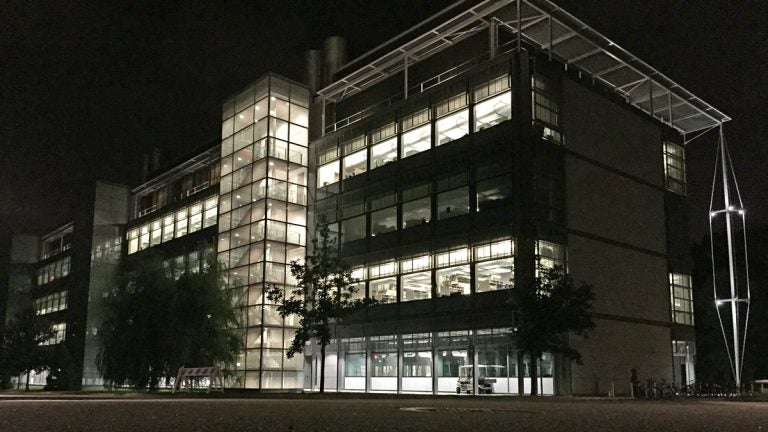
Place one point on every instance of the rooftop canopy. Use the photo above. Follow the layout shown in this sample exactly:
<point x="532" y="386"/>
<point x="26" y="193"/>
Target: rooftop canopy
<point x="547" y="27"/>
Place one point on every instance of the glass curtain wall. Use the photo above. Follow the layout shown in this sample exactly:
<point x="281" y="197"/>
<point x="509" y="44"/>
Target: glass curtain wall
<point x="437" y="363"/>
<point x="262" y="221"/>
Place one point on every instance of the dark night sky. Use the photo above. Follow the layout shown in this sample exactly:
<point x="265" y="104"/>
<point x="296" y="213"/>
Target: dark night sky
<point x="87" y="87"/>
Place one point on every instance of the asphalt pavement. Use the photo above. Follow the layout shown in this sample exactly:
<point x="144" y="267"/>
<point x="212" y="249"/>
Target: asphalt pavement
<point x="466" y="414"/>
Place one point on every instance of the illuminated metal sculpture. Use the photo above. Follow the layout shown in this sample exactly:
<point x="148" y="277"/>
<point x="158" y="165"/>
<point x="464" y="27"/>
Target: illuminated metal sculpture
<point x="732" y="295"/>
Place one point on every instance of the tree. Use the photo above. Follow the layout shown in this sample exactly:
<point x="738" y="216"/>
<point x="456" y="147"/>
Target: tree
<point x="22" y="350"/>
<point x="155" y="324"/>
<point x="323" y="296"/>
<point x="546" y="312"/>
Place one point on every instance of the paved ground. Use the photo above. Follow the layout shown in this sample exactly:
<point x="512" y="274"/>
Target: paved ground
<point x="465" y="414"/>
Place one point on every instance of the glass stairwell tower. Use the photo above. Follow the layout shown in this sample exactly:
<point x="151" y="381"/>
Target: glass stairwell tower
<point x="263" y="220"/>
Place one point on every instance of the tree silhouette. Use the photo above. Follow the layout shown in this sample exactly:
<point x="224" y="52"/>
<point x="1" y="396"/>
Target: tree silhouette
<point x="21" y="346"/>
<point x="323" y="296"/>
<point x="546" y="312"/>
<point x="155" y="324"/>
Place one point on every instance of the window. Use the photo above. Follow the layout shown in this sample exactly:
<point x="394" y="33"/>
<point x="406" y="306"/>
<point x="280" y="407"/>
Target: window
<point x="51" y="303"/>
<point x="413" y="264"/>
<point x="549" y="255"/>
<point x="211" y="209"/>
<point x="492" y="108"/>
<point x="546" y="108"/>
<point x="181" y="223"/>
<point x="417" y="212"/>
<point x="454" y="256"/>
<point x="167" y="228"/>
<point x="195" y="217"/>
<point x="493" y="192"/>
<point x="453" y="203"/>
<point x="355" y="164"/>
<point x="681" y="292"/>
<point x="494" y="275"/>
<point x="493" y="111"/>
<point x="674" y="167"/>
<point x="60" y="333"/>
<point x="358" y="275"/>
<point x="156" y="233"/>
<point x="417" y="364"/>
<point x="384" y="364"/>
<point x="383" y="221"/>
<point x="452" y="127"/>
<point x="416" y="286"/>
<point x="497" y="249"/>
<point x="453" y="281"/>
<point x="449" y="360"/>
<point x="384" y="290"/>
<point x="383" y="269"/>
<point x="383" y="133"/>
<point x="384" y="153"/>
<point x="328" y="174"/>
<point x="354" y="366"/>
<point x="417" y="133"/>
<point x="549" y="196"/>
<point x="416" y="140"/>
<point x="451" y="104"/>
<point x="353" y="229"/>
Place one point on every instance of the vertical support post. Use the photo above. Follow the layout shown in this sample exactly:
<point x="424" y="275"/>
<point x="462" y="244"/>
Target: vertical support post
<point x="322" y="118"/>
<point x="493" y="38"/>
<point x="519" y="27"/>
<point x="650" y="97"/>
<point x="549" y="28"/>
<point x="669" y="106"/>
<point x="731" y="267"/>
<point x="405" y="75"/>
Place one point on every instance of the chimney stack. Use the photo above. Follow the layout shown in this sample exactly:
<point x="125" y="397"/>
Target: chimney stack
<point x="314" y="71"/>
<point x="334" y="57"/>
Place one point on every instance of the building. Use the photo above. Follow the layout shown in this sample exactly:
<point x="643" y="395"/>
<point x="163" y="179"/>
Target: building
<point x="64" y="273"/>
<point x="454" y="161"/>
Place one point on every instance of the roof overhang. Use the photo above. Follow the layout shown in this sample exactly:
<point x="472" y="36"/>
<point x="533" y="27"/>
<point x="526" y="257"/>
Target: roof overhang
<point x="562" y="36"/>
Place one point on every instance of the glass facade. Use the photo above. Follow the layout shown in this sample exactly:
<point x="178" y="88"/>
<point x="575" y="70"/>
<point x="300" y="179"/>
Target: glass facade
<point x="175" y="224"/>
<point x="263" y="219"/>
<point x="51" y="303"/>
<point x="54" y="271"/>
<point x="433" y="363"/>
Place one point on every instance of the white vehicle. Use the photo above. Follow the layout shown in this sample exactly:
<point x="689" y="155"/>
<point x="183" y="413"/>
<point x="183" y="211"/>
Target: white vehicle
<point x="486" y="377"/>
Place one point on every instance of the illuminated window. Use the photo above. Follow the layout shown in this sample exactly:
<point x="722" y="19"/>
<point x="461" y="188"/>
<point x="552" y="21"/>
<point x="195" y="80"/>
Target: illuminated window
<point x="681" y="293"/>
<point x="417" y="133"/>
<point x="328" y="173"/>
<point x="549" y="255"/>
<point x="674" y="167"/>
<point x="416" y="286"/>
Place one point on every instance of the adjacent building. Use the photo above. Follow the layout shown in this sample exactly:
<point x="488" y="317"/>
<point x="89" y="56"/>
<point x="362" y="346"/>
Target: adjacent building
<point x="453" y="162"/>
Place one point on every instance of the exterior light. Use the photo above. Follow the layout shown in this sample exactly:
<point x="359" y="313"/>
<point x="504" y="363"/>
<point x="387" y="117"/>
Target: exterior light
<point x="719" y="302"/>
<point x="730" y="208"/>
<point x="741" y="212"/>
